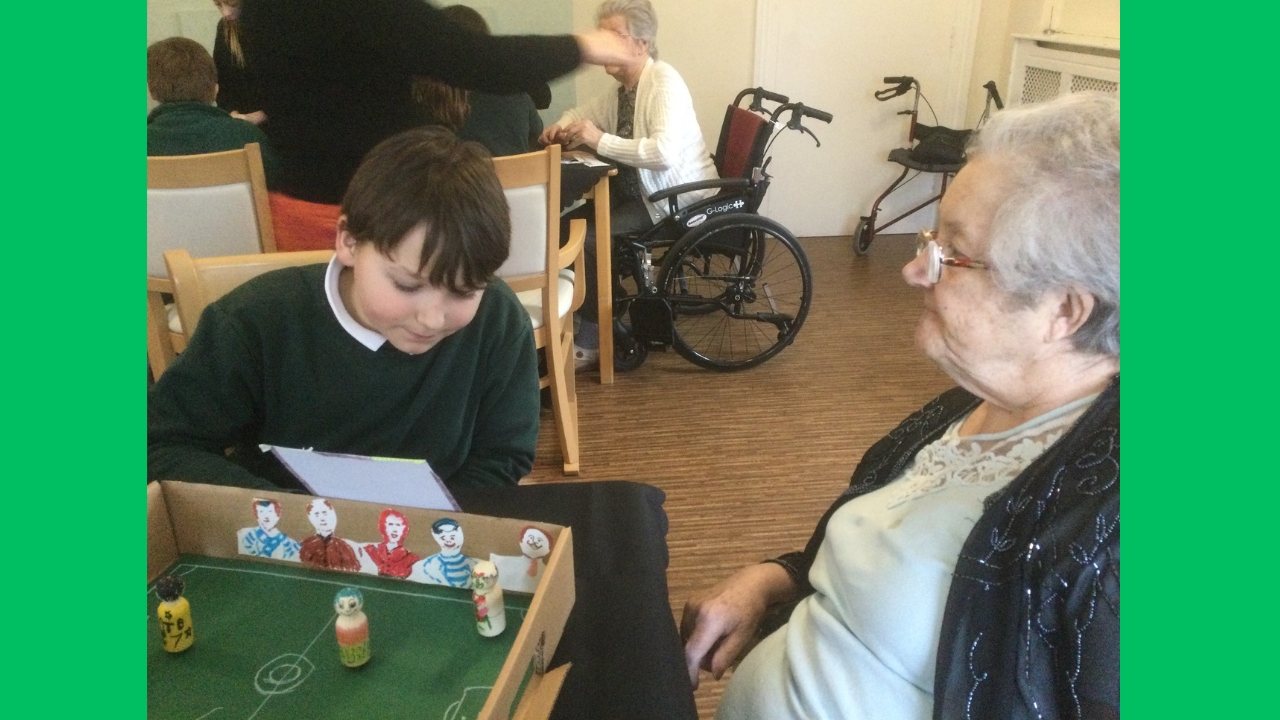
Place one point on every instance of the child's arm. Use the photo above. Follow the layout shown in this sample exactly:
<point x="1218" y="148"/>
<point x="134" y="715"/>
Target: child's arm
<point x="204" y="403"/>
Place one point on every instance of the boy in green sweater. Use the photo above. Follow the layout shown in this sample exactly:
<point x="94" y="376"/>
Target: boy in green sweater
<point x="182" y="77"/>
<point x="404" y="345"/>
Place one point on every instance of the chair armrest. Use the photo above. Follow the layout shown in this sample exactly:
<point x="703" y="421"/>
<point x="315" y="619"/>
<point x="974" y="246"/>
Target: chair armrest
<point x="700" y="185"/>
<point x="159" y="284"/>
<point x="573" y="248"/>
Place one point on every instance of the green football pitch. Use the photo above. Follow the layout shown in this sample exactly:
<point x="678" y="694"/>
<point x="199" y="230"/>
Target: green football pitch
<point x="265" y="647"/>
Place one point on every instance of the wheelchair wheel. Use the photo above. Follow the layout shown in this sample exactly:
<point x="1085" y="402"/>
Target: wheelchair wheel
<point x="739" y="288"/>
<point x="862" y="236"/>
<point x="628" y="354"/>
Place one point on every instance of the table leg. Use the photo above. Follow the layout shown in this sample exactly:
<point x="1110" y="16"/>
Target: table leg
<point x="604" y="280"/>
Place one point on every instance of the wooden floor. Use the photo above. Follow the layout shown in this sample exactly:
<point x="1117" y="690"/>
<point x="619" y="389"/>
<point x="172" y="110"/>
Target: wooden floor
<point x="750" y="460"/>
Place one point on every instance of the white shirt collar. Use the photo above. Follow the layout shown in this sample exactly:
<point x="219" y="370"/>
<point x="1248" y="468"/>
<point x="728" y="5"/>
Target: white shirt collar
<point x="362" y="334"/>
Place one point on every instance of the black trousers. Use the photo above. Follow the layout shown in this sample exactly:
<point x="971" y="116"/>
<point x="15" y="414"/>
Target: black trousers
<point x="625" y="216"/>
<point x="628" y="661"/>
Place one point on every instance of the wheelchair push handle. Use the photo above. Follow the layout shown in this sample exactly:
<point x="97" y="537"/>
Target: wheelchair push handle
<point x="799" y="111"/>
<point x="816" y="114"/>
<point x="758" y="95"/>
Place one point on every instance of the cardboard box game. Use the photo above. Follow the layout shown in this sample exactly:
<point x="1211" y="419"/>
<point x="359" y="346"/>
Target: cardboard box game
<point x="273" y="530"/>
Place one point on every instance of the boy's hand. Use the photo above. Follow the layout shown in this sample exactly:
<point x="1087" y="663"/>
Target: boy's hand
<point x="257" y="117"/>
<point x="552" y="136"/>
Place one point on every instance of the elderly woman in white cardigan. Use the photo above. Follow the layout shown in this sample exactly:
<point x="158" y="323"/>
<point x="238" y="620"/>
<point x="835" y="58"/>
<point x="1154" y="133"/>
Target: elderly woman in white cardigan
<point x="647" y="126"/>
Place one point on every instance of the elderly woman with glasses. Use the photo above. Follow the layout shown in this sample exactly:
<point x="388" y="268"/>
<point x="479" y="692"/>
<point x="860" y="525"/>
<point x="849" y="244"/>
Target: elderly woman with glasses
<point x="972" y="568"/>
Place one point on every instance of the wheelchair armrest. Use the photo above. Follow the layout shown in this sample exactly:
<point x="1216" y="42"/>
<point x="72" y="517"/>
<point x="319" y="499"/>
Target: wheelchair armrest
<point x="573" y="248"/>
<point x="699" y="185"/>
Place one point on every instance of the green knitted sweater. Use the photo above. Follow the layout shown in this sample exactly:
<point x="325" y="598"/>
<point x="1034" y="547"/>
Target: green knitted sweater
<point x="269" y="363"/>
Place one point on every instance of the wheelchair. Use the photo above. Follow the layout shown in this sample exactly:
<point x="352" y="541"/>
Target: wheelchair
<point x="723" y="285"/>
<point x="940" y="151"/>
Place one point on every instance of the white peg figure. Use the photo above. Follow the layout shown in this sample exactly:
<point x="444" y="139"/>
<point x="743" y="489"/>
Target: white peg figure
<point x="491" y="611"/>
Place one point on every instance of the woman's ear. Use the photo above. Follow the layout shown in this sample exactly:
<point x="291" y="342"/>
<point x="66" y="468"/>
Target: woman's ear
<point x="1073" y="308"/>
<point x="344" y="244"/>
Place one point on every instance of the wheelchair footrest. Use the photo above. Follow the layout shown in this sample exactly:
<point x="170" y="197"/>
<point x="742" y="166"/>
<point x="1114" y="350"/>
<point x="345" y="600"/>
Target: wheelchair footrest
<point x="651" y="321"/>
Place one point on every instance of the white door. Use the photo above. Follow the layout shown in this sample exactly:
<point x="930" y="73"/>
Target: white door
<point x="833" y="55"/>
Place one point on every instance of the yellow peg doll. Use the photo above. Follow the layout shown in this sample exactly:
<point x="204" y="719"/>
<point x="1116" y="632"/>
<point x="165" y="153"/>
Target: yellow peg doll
<point x="174" y="612"/>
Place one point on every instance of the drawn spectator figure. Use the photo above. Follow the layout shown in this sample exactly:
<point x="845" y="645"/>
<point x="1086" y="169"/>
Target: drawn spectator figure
<point x="326" y="549"/>
<point x="536" y="546"/>
<point x="390" y="555"/>
<point x="449" y="566"/>
<point x="266" y="540"/>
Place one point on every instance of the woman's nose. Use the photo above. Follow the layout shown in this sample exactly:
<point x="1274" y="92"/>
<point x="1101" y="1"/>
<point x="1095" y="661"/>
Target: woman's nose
<point x="916" y="271"/>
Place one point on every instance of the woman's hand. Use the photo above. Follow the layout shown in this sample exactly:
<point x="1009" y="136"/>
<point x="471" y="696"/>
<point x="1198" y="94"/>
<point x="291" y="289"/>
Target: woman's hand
<point x="605" y="47"/>
<point x="717" y="624"/>
<point x="552" y="135"/>
<point x="257" y="117"/>
<point x="584" y="132"/>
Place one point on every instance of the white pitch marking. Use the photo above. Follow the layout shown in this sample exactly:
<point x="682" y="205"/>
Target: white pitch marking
<point x="202" y="717"/>
<point x="457" y="704"/>
<point x="302" y="655"/>
<point x="337" y="583"/>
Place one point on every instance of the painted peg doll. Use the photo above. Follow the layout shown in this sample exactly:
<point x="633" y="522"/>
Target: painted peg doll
<point x="491" y="611"/>
<point x="352" y="627"/>
<point x="174" y="612"/>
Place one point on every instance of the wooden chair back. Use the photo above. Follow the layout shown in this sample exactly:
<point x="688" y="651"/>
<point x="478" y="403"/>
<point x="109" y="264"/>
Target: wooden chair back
<point x="200" y="281"/>
<point x="210" y="205"/>
<point x="538" y="270"/>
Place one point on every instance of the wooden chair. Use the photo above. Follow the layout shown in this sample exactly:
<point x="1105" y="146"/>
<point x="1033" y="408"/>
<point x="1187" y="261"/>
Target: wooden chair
<point x="209" y="205"/>
<point x="538" y="270"/>
<point x="200" y="281"/>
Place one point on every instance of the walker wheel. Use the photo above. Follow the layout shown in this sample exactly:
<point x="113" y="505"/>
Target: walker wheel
<point x="862" y="236"/>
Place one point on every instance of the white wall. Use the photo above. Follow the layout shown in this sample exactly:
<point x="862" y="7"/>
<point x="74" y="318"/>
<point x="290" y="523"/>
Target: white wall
<point x="1001" y="19"/>
<point x="834" y="56"/>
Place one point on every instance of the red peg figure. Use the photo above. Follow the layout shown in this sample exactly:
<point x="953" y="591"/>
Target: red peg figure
<point x="491" y="611"/>
<point x="174" y="612"/>
<point x="352" y="626"/>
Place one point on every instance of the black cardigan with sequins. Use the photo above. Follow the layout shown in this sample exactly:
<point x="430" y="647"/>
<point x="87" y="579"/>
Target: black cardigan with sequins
<point x="1032" y="621"/>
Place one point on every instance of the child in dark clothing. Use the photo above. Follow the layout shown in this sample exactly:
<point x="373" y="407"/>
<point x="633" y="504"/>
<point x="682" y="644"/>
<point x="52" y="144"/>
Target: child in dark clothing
<point x="181" y="76"/>
<point x="404" y="345"/>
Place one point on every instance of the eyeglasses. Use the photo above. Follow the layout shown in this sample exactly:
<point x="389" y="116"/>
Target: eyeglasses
<point x="926" y="241"/>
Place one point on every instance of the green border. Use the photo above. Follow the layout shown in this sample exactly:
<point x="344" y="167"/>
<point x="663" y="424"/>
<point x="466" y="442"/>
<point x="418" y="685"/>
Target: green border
<point x="1198" y="636"/>
<point x="1197" y="630"/>
<point x="74" y="227"/>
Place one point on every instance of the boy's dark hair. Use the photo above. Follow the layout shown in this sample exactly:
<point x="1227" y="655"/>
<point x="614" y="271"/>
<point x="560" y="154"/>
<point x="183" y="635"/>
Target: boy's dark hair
<point x="467" y="18"/>
<point x="180" y="70"/>
<point x="428" y="176"/>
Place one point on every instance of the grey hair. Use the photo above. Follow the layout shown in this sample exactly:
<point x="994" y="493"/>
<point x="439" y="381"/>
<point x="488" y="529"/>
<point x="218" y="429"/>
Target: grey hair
<point x="1059" y="227"/>
<point x="642" y="21"/>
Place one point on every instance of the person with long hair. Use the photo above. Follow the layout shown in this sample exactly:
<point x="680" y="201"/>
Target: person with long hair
<point x="237" y="89"/>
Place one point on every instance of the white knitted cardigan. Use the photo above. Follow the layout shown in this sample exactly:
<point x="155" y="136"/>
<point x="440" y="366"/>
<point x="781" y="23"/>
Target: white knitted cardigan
<point x="668" y="149"/>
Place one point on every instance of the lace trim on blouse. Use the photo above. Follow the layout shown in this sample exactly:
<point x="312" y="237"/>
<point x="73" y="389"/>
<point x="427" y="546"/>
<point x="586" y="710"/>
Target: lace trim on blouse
<point x="991" y="459"/>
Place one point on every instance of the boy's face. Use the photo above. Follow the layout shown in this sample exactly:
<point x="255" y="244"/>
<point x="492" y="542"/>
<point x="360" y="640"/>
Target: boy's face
<point x="389" y="296"/>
